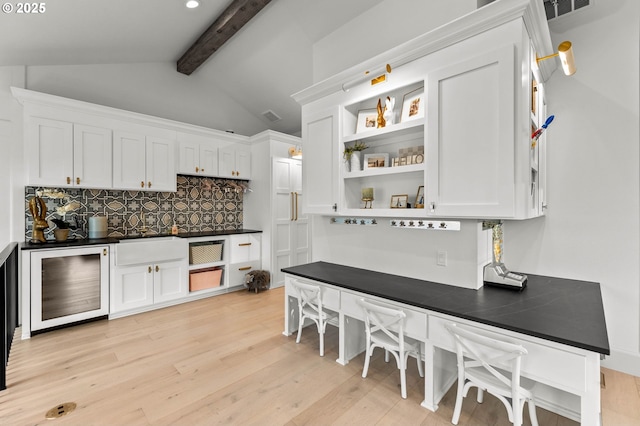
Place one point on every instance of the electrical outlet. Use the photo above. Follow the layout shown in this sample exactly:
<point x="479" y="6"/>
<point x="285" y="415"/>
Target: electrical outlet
<point x="441" y="260"/>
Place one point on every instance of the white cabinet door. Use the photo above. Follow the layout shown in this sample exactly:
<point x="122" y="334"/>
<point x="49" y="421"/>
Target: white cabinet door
<point x="208" y="160"/>
<point x="50" y="152"/>
<point x="470" y="137"/>
<point x="92" y="157"/>
<point x="234" y="162"/>
<point x="243" y="164"/>
<point x="291" y="233"/>
<point x="170" y="281"/>
<point x="197" y="155"/>
<point x="188" y="157"/>
<point x="129" y="158"/>
<point x="319" y="171"/>
<point x="143" y="162"/>
<point x="160" y="165"/>
<point x="227" y="162"/>
<point x="133" y="287"/>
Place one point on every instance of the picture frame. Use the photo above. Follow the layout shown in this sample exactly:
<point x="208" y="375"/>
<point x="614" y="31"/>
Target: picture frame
<point x="367" y="120"/>
<point x="413" y="105"/>
<point x="373" y="161"/>
<point x="419" y="203"/>
<point x="399" y="201"/>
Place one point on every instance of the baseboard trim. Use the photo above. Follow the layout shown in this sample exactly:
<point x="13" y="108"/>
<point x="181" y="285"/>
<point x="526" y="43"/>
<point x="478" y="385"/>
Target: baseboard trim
<point x="625" y="362"/>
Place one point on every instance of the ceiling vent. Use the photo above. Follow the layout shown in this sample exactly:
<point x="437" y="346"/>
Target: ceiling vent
<point x="271" y="116"/>
<point x="559" y="8"/>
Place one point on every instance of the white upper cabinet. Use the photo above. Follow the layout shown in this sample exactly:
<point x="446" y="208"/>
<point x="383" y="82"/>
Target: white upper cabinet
<point x="473" y="175"/>
<point x="70" y="143"/>
<point x="197" y="155"/>
<point x="143" y="162"/>
<point x="65" y="154"/>
<point x="92" y="156"/>
<point x="235" y="162"/>
<point x="320" y="171"/>
<point x="456" y="144"/>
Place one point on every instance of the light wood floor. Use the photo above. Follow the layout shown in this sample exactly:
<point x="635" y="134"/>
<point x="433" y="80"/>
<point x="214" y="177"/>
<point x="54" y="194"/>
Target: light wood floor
<point x="224" y="360"/>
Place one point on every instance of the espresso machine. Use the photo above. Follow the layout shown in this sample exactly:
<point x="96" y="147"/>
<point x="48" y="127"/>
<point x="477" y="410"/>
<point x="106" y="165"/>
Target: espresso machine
<point x="496" y="273"/>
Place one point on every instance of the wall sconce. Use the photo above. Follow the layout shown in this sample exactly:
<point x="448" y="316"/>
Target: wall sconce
<point x="565" y="52"/>
<point x="380" y="78"/>
<point x="295" y="152"/>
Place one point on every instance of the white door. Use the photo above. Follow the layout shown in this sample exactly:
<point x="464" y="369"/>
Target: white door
<point x="470" y="167"/>
<point x="160" y="165"/>
<point x="301" y="234"/>
<point x="320" y="172"/>
<point x="92" y="153"/>
<point x="129" y="159"/>
<point x="290" y="226"/>
<point x="50" y="152"/>
<point x="227" y="162"/>
<point x="170" y="281"/>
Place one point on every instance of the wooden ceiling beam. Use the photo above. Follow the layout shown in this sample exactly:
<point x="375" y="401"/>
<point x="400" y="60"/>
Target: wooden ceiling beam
<point x="223" y="28"/>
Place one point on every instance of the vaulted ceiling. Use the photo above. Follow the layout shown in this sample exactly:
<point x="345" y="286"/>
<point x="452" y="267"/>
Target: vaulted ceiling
<point x="264" y="62"/>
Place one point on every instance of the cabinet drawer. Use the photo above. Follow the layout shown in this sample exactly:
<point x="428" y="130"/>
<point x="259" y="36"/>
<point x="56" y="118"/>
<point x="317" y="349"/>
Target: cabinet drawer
<point x="330" y="295"/>
<point x="238" y="271"/>
<point x="245" y="248"/>
<point x="415" y="323"/>
<point x="545" y="363"/>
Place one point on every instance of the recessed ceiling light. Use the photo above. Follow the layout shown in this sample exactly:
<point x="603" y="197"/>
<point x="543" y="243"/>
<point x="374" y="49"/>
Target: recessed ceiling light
<point x="192" y="4"/>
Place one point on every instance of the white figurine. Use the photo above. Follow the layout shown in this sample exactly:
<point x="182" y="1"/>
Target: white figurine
<point x="388" y="110"/>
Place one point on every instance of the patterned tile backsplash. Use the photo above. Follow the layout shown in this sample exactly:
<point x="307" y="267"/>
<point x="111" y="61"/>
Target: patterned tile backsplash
<point x="200" y="204"/>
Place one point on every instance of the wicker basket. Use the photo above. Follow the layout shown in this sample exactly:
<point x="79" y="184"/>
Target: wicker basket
<point x="207" y="252"/>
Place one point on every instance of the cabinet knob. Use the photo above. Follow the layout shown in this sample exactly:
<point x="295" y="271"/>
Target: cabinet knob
<point x="68" y="180"/>
<point x="149" y="269"/>
<point x="157" y="268"/>
<point x="432" y="207"/>
<point x="104" y="252"/>
<point x="244" y="268"/>
<point x="237" y="173"/>
<point x="197" y="169"/>
<point x="142" y="184"/>
<point x="77" y="181"/>
<point x="202" y="170"/>
<point x="244" y="244"/>
<point x="149" y="184"/>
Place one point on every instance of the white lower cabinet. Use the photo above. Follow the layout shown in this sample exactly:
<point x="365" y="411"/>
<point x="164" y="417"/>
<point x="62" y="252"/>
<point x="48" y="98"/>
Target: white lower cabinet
<point x="139" y="286"/>
<point x="245" y="257"/>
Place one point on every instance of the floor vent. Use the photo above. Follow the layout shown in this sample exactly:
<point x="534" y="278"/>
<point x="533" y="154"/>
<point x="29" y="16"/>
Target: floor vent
<point x="60" y="410"/>
<point x="559" y="8"/>
<point x="271" y="116"/>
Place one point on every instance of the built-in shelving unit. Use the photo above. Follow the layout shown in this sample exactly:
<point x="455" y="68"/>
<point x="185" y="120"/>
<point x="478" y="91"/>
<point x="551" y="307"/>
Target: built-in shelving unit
<point x="387" y="178"/>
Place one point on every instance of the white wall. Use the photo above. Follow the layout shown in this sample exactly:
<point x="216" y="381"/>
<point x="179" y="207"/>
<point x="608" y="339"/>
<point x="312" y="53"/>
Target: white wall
<point x="591" y="231"/>
<point x="11" y="158"/>
<point x="149" y="88"/>
<point x="381" y="28"/>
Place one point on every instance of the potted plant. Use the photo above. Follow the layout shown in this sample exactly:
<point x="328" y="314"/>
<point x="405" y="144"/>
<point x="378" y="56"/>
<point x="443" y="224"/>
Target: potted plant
<point x="348" y="151"/>
<point x="61" y="233"/>
<point x="356" y="155"/>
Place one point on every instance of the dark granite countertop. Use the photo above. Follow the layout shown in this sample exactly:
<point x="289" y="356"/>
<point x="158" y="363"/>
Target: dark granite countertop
<point x="561" y="310"/>
<point x="28" y="245"/>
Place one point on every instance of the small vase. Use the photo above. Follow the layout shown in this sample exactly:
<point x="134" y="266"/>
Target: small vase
<point x="356" y="163"/>
<point x="61" y="234"/>
<point x="347" y="165"/>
